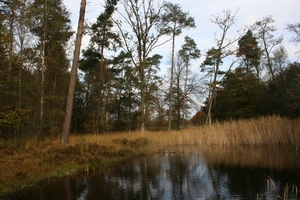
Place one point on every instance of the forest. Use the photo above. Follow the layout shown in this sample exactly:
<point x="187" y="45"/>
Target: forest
<point x="119" y="87"/>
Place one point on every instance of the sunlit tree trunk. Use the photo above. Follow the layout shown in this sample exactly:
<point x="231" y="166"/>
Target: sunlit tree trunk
<point x="71" y="92"/>
<point x="212" y="91"/>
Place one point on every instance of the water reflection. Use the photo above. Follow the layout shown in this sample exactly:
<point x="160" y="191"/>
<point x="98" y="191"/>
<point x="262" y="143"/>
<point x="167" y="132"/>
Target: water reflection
<point x="190" y="175"/>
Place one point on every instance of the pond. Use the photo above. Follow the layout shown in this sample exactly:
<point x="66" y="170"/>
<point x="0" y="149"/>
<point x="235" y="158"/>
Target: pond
<point x="185" y="173"/>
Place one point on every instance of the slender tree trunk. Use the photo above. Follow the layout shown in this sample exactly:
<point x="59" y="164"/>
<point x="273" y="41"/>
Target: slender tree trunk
<point x="20" y="86"/>
<point x="71" y="92"/>
<point x="178" y="101"/>
<point x="214" y="86"/>
<point x="185" y="90"/>
<point x="10" y="75"/>
<point x="100" y="106"/>
<point x="269" y="62"/>
<point x="11" y="43"/>
<point x="171" y="84"/>
<point x="102" y="71"/>
<point x="211" y="96"/>
<point x="42" y="95"/>
<point x="143" y="99"/>
<point x="42" y="79"/>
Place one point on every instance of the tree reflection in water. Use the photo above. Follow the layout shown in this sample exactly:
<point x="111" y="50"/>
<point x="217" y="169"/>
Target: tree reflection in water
<point x="239" y="174"/>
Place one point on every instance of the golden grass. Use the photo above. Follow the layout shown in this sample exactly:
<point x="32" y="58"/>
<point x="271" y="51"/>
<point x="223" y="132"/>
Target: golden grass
<point x="269" y="131"/>
<point x="32" y="163"/>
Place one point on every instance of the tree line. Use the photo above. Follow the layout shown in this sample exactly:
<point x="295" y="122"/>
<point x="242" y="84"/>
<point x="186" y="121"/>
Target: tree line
<point x="119" y="87"/>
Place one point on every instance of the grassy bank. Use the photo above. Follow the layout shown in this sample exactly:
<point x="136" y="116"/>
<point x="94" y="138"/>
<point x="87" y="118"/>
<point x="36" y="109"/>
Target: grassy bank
<point x="27" y="165"/>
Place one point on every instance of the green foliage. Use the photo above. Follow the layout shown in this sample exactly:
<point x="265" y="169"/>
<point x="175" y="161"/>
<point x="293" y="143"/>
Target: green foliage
<point x="211" y="59"/>
<point x="174" y="20"/>
<point x="189" y="49"/>
<point x="21" y="83"/>
<point x="100" y="31"/>
<point x="13" y="119"/>
<point x="240" y="96"/>
<point x="249" y="51"/>
<point x="283" y="95"/>
<point x="243" y="95"/>
<point x="90" y="60"/>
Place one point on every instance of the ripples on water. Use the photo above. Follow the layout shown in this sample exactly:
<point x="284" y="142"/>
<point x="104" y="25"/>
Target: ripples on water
<point x="183" y="174"/>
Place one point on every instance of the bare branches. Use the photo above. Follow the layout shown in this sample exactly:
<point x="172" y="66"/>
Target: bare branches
<point x="295" y="29"/>
<point x="141" y="17"/>
<point x="215" y="56"/>
<point x="264" y="30"/>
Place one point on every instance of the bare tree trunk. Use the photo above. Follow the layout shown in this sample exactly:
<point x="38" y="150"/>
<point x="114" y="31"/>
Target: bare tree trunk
<point x="142" y="109"/>
<point x="171" y="85"/>
<point x="102" y="91"/>
<point x="71" y="92"/>
<point x="269" y="62"/>
<point x="211" y="99"/>
<point x="42" y="78"/>
<point x="42" y="93"/>
<point x="224" y="23"/>
<point x="11" y="43"/>
<point x="185" y="92"/>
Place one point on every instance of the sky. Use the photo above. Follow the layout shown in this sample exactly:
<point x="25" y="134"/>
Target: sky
<point x="248" y="12"/>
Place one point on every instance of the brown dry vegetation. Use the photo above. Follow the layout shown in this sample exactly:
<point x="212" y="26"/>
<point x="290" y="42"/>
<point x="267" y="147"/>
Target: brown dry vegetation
<point x="30" y="164"/>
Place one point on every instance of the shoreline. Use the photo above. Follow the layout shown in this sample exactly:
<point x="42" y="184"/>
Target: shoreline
<point x="29" y="164"/>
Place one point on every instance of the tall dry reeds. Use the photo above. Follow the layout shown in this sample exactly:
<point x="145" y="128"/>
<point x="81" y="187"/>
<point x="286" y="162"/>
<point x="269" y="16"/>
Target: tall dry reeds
<point x="271" y="131"/>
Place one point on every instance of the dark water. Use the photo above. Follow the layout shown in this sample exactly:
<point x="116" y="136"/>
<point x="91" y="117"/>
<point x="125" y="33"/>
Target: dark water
<point x="184" y="174"/>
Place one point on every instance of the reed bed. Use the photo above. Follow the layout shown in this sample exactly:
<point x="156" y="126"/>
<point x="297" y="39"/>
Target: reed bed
<point x="271" y="131"/>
